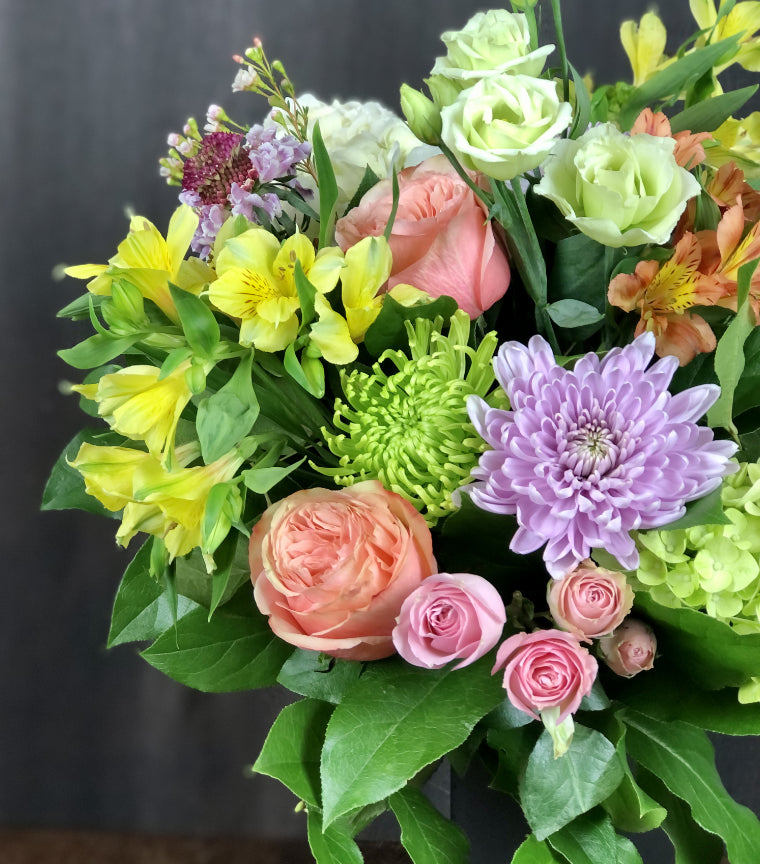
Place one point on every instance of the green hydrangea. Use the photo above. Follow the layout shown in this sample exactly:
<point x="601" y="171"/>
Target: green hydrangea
<point x="405" y="423"/>
<point x="713" y="568"/>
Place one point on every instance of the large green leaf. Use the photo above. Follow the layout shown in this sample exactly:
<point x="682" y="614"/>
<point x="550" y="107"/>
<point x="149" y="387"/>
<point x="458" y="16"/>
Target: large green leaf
<point x="396" y="720"/>
<point x="427" y="836"/>
<point x="701" y="647"/>
<point x="682" y="757"/>
<point x="193" y="580"/>
<point x="589" y="839"/>
<point x="553" y="792"/>
<point x="65" y="487"/>
<point x="335" y="845"/>
<point x="293" y="746"/>
<point x="704" y="511"/>
<point x="98" y="349"/>
<point x="229" y="652"/>
<point x="310" y="673"/>
<point x="388" y="330"/>
<point x="692" y="844"/>
<point x="708" y="115"/>
<point x="143" y="608"/>
<point x="534" y="851"/>
<point x="665" y="694"/>
<point x="328" y="188"/>
<point x="629" y="806"/>
<point x="198" y="322"/>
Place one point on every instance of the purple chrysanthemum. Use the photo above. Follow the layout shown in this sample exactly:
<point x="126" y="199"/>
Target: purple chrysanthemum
<point x="588" y="455"/>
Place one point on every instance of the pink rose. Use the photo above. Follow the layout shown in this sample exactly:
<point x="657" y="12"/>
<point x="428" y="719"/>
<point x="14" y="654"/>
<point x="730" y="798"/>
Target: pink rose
<point x="630" y="649"/>
<point x="449" y="616"/>
<point x="442" y="241"/>
<point x="545" y="669"/>
<point x="331" y="568"/>
<point x="590" y="601"/>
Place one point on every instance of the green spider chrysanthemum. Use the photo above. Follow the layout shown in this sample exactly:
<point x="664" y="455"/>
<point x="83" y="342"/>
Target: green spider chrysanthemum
<point x="409" y="428"/>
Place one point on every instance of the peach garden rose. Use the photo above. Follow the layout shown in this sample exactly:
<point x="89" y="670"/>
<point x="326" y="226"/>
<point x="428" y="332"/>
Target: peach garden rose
<point x="331" y="568"/>
<point x="441" y="241"/>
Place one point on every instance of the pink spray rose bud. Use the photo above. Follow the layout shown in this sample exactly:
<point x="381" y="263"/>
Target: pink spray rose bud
<point x="331" y="568"/>
<point x="545" y="669"/>
<point x="590" y="601"/>
<point x="630" y="649"/>
<point x="442" y="241"/>
<point x="450" y="616"/>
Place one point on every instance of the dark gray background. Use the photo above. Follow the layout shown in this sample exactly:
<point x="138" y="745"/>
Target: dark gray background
<point x="88" y="92"/>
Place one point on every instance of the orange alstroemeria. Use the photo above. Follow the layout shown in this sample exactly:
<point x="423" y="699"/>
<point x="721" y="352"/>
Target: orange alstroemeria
<point x="663" y="293"/>
<point x="688" y="151"/>
<point x="725" y="251"/>
<point x="728" y="187"/>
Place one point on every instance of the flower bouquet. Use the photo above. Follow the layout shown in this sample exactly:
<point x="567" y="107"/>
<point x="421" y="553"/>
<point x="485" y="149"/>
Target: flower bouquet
<point x="452" y="428"/>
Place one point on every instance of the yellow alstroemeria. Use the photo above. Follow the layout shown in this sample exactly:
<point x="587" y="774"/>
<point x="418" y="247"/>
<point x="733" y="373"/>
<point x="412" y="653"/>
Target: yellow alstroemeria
<point x="149" y="262"/>
<point x="167" y="504"/>
<point x="737" y="141"/>
<point x="367" y="268"/>
<point x="137" y="403"/>
<point x="743" y="20"/>
<point x="644" y="43"/>
<point x="256" y="284"/>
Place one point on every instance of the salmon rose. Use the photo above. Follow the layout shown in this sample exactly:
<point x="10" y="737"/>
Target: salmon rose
<point x="331" y="568"/>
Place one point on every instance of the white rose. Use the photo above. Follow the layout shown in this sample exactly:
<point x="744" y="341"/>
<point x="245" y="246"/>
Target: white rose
<point x="505" y="125"/>
<point x="489" y="44"/>
<point x="357" y="135"/>
<point x="618" y="189"/>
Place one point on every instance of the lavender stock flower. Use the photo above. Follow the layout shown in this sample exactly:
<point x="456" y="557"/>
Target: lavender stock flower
<point x="588" y="455"/>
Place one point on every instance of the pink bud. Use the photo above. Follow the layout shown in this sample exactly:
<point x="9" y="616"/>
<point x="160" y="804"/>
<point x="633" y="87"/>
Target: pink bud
<point x="630" y="649"/>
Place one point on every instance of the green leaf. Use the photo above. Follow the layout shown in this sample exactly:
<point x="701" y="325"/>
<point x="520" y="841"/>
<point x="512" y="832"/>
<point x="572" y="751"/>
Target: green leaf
<point x="293" y="746"/>
<point x="229" y="652"/>
<point x="703" y="648"/>
<point x="396" y="720"/>
<point x="310" y="376"/>
<point x="388" y="329"/>
<point x="65" y="488"/>
<point x="692" y="844"/>
<point x="369" y="179"/>
<point x="198" y="323"/>
<point x="227" y="416"/>
<point x="553" y="791"/>
<point x="97" y="350"/>
<point x="747" y="393"/>
<point x="665" y="694"/>
<point x="729" y="355"/>
<point x="143" y="610"/>
<point x="682" y="757"/>
<point x="306" y="294"/>
<point x="703" y="511"/>
<point x="310" y="673"/>
<point x="514" y="747"/>
<point x="582" y="106"/>
<point x="708" y="115"/>
<point x="534" y="851"/>
<point x="194" y="582"/>
<point x="224" y="558"/>
<point x="589" y="839"/>
<point x="427" y="836"/>
<point x="328" y="188"/>
<point x="333" y="845"/>
<point x="676" y="77"/>
<point x="261" y="480"/>
<point x="573" y="313"/>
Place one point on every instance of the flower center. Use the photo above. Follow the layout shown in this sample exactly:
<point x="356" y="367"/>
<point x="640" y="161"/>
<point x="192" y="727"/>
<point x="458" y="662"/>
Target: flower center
<point x="591" y="447"/>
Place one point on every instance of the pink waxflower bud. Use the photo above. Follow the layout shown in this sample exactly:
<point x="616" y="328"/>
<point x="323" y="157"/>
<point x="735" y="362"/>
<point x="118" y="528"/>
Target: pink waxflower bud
<point x="545" y="669"/>
<point x="590" y="601"/>
<point x="630" y="649"/>
<point x="450" y="616"/>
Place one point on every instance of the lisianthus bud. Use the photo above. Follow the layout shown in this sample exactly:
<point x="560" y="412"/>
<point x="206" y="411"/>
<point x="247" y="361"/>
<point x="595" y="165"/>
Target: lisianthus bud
<point x="630" y="649"/>
<point x="423" y="117"/>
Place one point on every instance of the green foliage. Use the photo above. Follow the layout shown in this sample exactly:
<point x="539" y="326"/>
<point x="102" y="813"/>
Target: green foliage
<point x="396" y="720"/>
<point x="310" y="673"/>
<point x="427" y="836"/>
<point x="234" y="650"/>
<point x="553" y="792"/>
<point x="293" y="746"/>
<point x="388" y="330"/>
<point x="706" y="116"/>
<point x="591" y="839"/>
<point x="534" y="851"/>
<point x="143" y="608"/>
<point x="704" y="511"/>
<point x="198" y="322"/>
<point x="333" y="845"/>
<point x="328" y="188"/>
<point x="682" y="757"/>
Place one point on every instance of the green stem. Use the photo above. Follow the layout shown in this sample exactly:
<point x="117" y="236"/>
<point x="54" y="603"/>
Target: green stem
<point x="465" y="176"/>
<point x="557" y="13"/>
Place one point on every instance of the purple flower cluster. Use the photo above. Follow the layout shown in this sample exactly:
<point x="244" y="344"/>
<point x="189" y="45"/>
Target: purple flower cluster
<point x="587" y="455"/>
<point x="230" y="173"/>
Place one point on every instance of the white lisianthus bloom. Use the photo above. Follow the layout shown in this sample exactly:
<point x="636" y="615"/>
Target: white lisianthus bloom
<point x="489" y="44"/>
<point x="357" y="135"/>
<point x="618" y="189"/>
<point x="505" y="125"/>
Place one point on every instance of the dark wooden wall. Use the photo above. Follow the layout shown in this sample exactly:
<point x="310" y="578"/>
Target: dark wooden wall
<point x="88" y="91"/>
